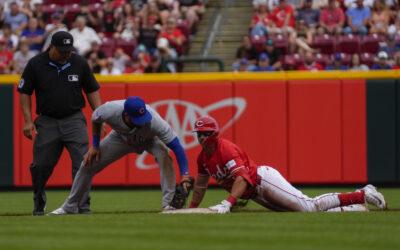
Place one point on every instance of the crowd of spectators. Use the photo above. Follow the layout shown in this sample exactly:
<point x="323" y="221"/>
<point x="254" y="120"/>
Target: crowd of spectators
<point x="116" y="36"/>
<point x="321" y="35"/>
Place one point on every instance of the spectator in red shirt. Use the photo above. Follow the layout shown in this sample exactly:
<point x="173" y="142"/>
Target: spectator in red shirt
<point x="331" y="19"/>
<point x="6" y="57"/>
<point x="174" y="35"/>
<point x="309" y="63"/>
<point x="396" y="61"/>
<point x="134" y="67"/>
<point x="261" y="21"/>
<point x="283" y="17"/>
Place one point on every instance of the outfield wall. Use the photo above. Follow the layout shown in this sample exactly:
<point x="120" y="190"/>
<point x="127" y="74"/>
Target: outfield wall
<point x="315" y="128"/>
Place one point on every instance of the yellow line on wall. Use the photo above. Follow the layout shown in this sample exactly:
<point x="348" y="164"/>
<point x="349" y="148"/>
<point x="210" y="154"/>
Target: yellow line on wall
<point x="229" y="76"/>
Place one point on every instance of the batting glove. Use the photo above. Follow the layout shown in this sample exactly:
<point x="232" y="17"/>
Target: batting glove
<point x="222" y="208"/>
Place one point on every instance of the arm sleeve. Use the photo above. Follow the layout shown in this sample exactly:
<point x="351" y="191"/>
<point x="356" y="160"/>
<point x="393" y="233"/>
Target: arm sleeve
<point x="26" y="83"/>
<point x="160" y="127"/>
<point x="102" y="113"/>
<point x="237" y="168"/>
<point x="179" y="152"/>
<point x="235" y="165"/>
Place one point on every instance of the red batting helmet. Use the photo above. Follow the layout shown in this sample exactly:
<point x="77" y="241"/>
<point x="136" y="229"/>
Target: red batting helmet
<point x="206" y="123"/>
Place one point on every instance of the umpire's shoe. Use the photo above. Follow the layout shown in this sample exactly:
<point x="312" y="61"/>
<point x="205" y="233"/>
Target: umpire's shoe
<point x="39" y="207"/>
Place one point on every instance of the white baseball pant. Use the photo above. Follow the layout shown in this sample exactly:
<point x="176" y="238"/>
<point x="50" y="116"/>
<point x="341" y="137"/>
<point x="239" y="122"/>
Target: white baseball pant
<point x="276" y="193"/>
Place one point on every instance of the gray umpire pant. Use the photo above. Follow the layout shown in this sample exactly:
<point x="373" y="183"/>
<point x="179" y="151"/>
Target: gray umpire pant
<point x="53" y="135"/>
<point x="112" y="148"/>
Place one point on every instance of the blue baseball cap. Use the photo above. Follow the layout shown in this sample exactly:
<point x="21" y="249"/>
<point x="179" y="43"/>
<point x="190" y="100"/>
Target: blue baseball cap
<point x="263" y="57"/>
<point x="244" y="61"/>
<point x="135" y="107"/>
<point x="338" y="56"/>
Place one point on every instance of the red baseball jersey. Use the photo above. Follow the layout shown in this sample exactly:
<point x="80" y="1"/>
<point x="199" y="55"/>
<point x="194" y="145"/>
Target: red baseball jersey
<point x="226" y="163"/>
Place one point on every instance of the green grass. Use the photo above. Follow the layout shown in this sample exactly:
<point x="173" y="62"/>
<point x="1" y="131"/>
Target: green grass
<point x="129" y="219"/>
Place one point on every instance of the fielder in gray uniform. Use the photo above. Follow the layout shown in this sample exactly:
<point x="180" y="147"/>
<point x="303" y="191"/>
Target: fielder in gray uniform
<point x="136" y="128"/>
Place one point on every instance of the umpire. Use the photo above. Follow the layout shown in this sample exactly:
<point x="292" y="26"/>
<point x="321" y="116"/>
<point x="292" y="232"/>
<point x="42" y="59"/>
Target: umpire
<point x="58" y="77"/>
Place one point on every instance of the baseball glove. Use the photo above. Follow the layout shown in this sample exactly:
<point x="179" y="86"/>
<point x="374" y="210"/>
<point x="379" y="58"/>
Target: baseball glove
<point x="182" y="192"/>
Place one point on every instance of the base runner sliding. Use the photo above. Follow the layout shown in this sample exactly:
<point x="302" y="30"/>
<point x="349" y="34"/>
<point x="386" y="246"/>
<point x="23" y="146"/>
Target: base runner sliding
<point x="233" y="170"/>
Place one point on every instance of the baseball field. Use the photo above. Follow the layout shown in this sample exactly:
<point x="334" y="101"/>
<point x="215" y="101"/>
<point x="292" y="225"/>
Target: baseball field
<point x="130" y="219"/>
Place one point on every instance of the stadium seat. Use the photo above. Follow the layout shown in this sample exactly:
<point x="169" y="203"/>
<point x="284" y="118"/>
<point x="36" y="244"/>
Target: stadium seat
<point x="69" y="2"/>
<point x="281" y="42"/>
<point x="349" y="44"/>
<point x="108" y="46"/>
<point x="367" y="59"/>
<point x="323" y="59"/>
<point x="50" y="8"/>
<point x="325" y="43"/>
<point x="370" y="44"/>
<point x="71" y="11"/>
<point x="127" y="46"/>
<point x="94" y="7"/>
<point x="346" y="59"/>
<point x="258" y="42"/>
<point x="292" y="60"/>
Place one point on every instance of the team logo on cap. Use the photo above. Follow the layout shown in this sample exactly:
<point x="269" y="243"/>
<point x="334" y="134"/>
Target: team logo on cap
<point x="67" y="41"/>
<point x="199" y="124"/>
<point x="141" y="111"/>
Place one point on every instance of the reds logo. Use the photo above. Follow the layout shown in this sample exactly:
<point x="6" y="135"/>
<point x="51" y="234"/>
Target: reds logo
<point x="185" y="125"/>
<point x="199" y="123"/>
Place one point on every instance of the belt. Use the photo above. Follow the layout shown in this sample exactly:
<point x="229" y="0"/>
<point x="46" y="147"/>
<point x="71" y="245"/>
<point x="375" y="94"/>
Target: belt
<point x="61" y="116"/>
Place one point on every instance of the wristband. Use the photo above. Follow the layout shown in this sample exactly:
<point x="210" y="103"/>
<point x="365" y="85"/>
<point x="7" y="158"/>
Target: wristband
<point x="232" y="200"/>
<point x="193" y="204"/>
<point x="96" y="141"/>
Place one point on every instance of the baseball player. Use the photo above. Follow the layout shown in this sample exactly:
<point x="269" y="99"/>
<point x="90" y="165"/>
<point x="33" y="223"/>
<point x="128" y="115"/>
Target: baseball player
<point x="242" y="178"/>
<point x="136" y="128"/>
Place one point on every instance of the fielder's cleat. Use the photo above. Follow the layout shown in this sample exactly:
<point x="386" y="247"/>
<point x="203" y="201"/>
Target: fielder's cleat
<point x="168" y="207"/>
<point x="373" y="197"/>
<point x="85" y="211"/>
<point x="59" y="211"/>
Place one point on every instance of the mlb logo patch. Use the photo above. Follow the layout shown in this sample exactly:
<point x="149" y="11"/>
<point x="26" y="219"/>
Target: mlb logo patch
<point x="73" y="78"/>
<point x="230" y="164"/>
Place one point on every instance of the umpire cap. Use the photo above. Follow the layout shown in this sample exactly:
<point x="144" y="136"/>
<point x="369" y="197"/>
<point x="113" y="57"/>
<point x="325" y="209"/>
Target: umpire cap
<point x="63" y="41"/>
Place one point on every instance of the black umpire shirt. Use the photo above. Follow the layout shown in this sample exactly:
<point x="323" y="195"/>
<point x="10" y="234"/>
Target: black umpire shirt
<point x="58" y="88"/>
